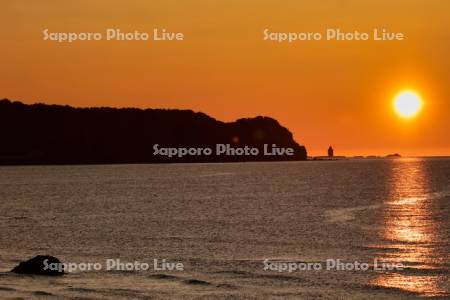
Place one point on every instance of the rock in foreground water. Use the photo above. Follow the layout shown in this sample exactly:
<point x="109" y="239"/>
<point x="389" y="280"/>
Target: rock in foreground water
<point x="39" y="265"/>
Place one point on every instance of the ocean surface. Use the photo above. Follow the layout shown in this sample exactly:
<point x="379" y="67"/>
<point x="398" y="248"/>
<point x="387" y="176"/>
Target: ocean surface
<point x="224" y="223"/>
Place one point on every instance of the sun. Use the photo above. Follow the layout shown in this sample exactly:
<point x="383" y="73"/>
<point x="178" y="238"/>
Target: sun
<point x="407" y="103"/>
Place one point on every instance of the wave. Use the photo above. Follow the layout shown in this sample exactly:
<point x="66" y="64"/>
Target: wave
<point x="216" y="174"/>
<point x="196" y="282"/>
<point x="163" y="276"/>
<point x="340" y="215"/>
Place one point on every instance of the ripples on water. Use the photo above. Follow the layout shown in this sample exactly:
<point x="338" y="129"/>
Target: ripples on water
<point x="223" y="220"/>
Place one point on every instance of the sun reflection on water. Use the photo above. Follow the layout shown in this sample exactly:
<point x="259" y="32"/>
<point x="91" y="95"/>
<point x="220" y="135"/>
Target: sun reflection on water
<point x="410" y="232"/>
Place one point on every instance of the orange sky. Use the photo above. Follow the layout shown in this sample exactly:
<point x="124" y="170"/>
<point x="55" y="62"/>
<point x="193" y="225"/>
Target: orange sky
<point x="325" y="92"/>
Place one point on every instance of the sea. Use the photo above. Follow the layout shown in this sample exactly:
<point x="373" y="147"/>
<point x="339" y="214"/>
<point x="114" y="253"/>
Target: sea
<point x="230" y="231"/>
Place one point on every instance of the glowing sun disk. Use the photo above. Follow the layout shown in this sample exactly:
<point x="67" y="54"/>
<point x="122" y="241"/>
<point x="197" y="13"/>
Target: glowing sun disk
<point x="407" y="103"/>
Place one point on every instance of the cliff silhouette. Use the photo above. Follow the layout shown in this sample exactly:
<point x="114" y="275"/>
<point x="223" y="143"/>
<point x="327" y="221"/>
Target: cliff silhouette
<point x="56" y="134"/>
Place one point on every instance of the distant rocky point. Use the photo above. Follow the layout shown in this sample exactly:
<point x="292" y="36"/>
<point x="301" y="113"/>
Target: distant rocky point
<point x="395" y="155"/>
<point x="56" y="134"/>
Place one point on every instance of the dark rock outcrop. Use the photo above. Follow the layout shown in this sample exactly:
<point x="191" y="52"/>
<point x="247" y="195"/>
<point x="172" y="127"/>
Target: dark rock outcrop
<point x="55" y="134"/>
<point x="39" y="265"/>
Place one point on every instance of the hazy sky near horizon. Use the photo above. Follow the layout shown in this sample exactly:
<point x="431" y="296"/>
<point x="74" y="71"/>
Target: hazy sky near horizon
<point x="325" y="92"/>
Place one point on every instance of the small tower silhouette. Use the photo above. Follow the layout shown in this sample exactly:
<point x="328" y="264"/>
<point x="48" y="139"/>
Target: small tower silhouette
<point x="330" y="152"/>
